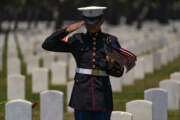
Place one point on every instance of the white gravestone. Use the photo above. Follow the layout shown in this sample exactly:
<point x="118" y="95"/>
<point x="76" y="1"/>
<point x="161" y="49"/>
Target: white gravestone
<point x="157" y="60"/>
<point x="48" y="59"/>
<point x="59" y="73"/>
<point x="116" y="83"/>
<point x="39" y="80"/>
<point x="72" y="67"/>
<point x="18" y="110"/>
<point x="164" y="56"/>
<point x="128" y="78"/>
<point x="173" y="51"/>
<point x="12" y="49"/>
<point x="178" y="91"/>
<point x="15" y="87"/>
<point x="140" y="109"/>
<point x="69" y="91"/>
<point x="139" y="69"/>
<point x="61" y="57"/>
<point x="175" y="76"/>
<point x="149" y="65"/>
<point x="172" y="88"/>
<point x="170" y="53"/>
<point x="119" y="115"/>
<point x="52" y="105"/>
<point x="176" y="49"/>
<point x="159" y="99"/>
<point x="14" y="66"/>
<point x="167" y="54"/>
<point x="28" y="55"/>
<point x="32" y="62"/>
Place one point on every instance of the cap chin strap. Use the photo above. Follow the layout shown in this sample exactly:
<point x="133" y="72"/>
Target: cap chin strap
<point x="93" y="24"/>
<point x="93" y="20"/>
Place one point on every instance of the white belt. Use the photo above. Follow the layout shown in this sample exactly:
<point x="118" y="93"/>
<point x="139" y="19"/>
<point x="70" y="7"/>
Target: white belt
<point x="91" y="72"/>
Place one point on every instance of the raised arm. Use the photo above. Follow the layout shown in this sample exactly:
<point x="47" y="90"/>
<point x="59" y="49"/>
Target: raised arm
<point x="58" y="41"/>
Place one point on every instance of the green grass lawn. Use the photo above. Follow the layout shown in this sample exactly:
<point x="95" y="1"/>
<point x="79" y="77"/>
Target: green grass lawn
<point x="129" y="93"/>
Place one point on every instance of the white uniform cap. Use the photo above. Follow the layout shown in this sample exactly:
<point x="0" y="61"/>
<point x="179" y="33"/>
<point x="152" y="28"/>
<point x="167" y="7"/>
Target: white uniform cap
<point x="92" y="11"/>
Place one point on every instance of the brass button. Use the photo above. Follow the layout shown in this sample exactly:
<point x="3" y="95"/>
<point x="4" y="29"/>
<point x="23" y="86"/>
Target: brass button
<point x="94" y="48"/>
<point x="94" y="54"/>
<point x="94" y="38"/>
<point x="93" y="59"/>
<point x="94" y="43"/>
<point x="94" y="66"/>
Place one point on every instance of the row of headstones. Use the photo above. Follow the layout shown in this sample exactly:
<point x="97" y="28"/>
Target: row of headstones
<point x="40" y="81"/>
<point x="144" y="40"/>
<point x="43" y="25"/>
<point x="163" y="99"/>
<point x="150" y="62"/>
<point x="36" y="41"/>
<point x="17" y="91"/>
<point x="139" y="44"/>
<point x="158" y="37"/>
<point x="14" y="90"/>
<point x="154" y="107"/>
<point x="40" y="78"/>
<point x="13" y="61"/>
<point x="172" y="85"/>
<point x="24" y="25"/>
<point x="48" y="58"/>
<point x="147" y="64"/>
<point x="51" y="106"/>
<point x="56" y="67"/>
<point x="43" y="75"/>
<point x="51" y="61"/>
<point x="39" y="75"/>
<point x="56" y="75"/>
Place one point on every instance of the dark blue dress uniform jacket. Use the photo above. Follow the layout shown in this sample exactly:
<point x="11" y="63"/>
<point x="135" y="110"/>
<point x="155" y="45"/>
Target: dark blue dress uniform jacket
<point x="91" y="93"/>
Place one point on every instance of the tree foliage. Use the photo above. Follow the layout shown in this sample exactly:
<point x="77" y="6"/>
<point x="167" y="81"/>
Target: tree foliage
<point x="66" y="9"/>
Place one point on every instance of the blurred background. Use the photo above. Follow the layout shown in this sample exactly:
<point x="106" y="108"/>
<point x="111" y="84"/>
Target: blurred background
<point x="148" y="28"/>
<point x="129" y="11"/>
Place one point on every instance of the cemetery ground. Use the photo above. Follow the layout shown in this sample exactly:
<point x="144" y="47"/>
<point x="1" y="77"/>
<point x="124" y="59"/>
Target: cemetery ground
<point x="128" y="93"/>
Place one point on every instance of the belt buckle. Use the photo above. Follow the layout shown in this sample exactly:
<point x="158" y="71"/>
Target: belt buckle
<point x="95" y="72"/>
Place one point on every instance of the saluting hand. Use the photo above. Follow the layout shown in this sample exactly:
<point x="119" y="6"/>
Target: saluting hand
<point x="74" y="26"/>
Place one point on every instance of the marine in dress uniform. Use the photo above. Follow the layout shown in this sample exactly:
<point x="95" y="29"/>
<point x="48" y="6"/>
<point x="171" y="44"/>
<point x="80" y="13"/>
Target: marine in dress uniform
<point x="92" y="94"/>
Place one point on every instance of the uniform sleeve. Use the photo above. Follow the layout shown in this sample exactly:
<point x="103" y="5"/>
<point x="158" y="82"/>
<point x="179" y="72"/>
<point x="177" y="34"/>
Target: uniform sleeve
<point x="114" y="42"/>
<point x="58" y="42"/>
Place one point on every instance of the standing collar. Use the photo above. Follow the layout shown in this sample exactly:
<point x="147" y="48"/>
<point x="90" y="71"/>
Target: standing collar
<point x="94" y="34"/>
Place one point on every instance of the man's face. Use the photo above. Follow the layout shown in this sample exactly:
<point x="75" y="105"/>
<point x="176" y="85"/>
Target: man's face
<point x="94" y="27"/>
